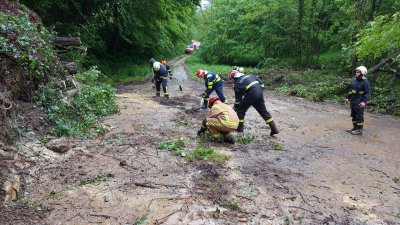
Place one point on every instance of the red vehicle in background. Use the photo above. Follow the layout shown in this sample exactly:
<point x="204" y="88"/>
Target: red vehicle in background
<point x="189" y="49"/>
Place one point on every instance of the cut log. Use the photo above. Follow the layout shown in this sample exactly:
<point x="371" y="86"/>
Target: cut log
<point x="70" y="67"/>
<point x="67" y="41"/>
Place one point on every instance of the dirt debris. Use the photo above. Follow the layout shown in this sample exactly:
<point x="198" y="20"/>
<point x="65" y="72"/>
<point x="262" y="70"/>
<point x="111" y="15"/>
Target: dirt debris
<point x="321" y="175"/>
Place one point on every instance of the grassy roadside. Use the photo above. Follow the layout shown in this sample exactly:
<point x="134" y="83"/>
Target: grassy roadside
<point x="316" y="85"/>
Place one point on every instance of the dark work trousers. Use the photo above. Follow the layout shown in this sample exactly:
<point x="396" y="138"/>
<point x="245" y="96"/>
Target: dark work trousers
<point x="218" y="89"/>
<point x="164" y="82"/>
<point x="357" y="114"/>
<point x="257" y="101"/>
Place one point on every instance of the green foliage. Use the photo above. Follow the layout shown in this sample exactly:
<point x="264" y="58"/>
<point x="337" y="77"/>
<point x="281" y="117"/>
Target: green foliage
<point x="125" y="70"/>
<point x="315" y="85"/>
<point x="209" y="154"/>
<point x="78" y="116"/>
<point x="277" y="147"/>
<point x="96" y="179"/>
<point x="382" y="36"/>
<point x="194" y="63"/>
<point x="28" y="44"/>
<point x="132" y="28"/>
<point x="179" y="148"/>
<point x="142" y="220"/>
<point x="172" y="145"/>
<point x="245" y="139"/>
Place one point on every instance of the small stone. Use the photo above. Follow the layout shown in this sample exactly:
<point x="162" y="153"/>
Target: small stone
<point x="106" y="199"/>
<point x="59" y="145"/>
<point x="122" y="163"/>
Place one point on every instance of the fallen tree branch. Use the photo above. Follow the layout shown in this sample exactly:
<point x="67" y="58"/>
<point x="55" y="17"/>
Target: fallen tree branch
<point x="383" y="62"/>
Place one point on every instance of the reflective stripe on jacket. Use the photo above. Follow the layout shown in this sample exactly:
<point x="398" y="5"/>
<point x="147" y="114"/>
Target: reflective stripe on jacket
<point x="223" y="113"/>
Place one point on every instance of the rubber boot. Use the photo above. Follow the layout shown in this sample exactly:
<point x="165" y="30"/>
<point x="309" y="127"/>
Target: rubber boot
<point x="274" y="129"/>
<point x="357" y="131"/>
<point x="240" y="127"/>
<point x="354" y="128"/>
<point x="229" y="138"/>
<point x="205" y="104"/>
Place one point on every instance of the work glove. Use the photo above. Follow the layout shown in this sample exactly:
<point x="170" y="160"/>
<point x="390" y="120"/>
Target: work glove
<point x="153" y="80"/>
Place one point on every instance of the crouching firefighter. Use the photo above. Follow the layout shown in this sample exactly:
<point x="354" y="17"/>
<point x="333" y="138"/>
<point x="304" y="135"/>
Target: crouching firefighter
<point x="212" y="82"/>
<point x="220" y="121"/>
<point x="249" y="92"/>
<point x="160" y="77"/>
<point x="358" y="97"/>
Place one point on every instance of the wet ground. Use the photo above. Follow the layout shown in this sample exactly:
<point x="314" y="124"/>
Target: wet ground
<point x="313" y="172"/>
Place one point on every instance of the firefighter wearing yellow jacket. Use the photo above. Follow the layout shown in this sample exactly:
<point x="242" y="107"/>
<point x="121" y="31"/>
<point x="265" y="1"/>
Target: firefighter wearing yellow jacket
<point x="220" y="121"/>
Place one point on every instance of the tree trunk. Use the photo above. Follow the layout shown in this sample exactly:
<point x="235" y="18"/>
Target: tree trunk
<point x="299" y="31"/>
<point x="67" y="41"/>
<point x="360" y="7"/>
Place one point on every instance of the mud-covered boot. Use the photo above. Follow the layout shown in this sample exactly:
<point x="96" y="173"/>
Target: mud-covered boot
<point x="274" y="129"/>
<point x="240" y="128"/>
<point x="229" y="138"/>
<point x="357" y="131"/>
<point x="217" y="139"/>
<point x="353" y="129"/>
<point x="205" y="104"/>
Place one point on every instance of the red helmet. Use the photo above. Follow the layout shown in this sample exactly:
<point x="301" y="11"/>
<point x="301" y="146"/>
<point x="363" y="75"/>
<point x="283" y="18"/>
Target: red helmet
<point x="164" y="62"/>
<point x="212" y="100"/>
<point x="233" y="72"/>
<point x="201" y="73"/>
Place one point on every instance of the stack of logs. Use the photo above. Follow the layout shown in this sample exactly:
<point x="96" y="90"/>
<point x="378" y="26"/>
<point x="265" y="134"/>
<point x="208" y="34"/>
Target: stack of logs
<point x="63" y="46"/>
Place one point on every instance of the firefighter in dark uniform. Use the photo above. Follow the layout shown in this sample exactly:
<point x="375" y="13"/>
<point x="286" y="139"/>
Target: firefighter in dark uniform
<point x="212" y="82"/>
<point x="249" y="92"/>
<point x="358" y="97"/>
<point x="160" y="77"/>
<point x="164" y="62"/>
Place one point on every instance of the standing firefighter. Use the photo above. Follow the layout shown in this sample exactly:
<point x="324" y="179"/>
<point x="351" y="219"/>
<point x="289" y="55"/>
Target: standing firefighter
<point x="212" y="82"/>
<point x="160" y="77"/>
<point x="358" y="97"/>
<point x="220" y="121"/>
<point x="249" y="92"/>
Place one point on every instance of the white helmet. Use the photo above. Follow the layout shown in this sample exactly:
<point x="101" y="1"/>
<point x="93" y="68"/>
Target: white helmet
<point x="237" y="75"/>
<point x="241" y="70"/>
<point x="156" y="66"/>
<point x="362" y="69"/>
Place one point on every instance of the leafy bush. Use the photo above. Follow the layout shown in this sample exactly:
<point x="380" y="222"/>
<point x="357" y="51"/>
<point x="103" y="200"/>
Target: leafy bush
<point x="78" y="116"/>
<point x="28" y="44"/>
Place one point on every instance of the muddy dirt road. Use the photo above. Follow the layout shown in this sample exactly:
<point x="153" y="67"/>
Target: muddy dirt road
<point x="313" y="172"/>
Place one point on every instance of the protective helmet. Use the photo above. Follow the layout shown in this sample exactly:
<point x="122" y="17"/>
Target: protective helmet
<point x="164" y="62"/>
<point x="362" y="69"/>
<point x="152" y="61"/>
<point x="201" y="73"/>
<point x="156" y="66"/>
<point x="230" y="75"/>
<point x="212" y="100"/>
<point x="240" y="69"/>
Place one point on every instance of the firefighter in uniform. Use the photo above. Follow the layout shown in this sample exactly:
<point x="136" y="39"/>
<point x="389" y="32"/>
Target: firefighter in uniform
<point x="220" y="121"/>
<point x="358" y="97"/>
<point x="160" y="77"/>
<point x="249" y="92"/>
<point x="212" y="82"/>
<point x="164" y="62"/>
